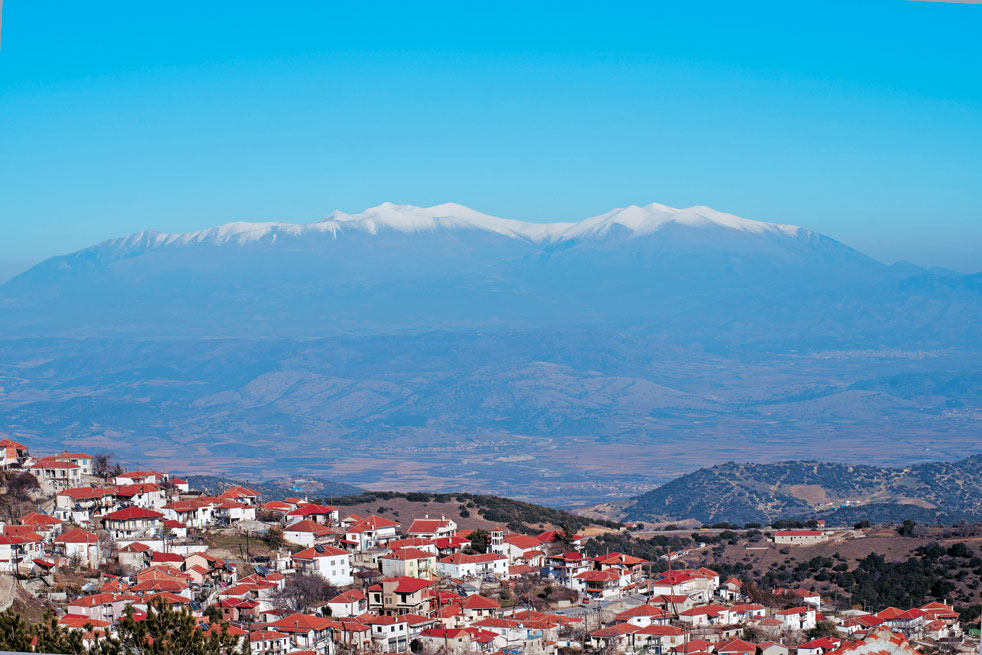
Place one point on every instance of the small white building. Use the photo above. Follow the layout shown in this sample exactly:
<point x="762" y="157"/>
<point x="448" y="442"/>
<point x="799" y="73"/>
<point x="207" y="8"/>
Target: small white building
<point x="428" y="528"/>
<point x="799" y="537"/>
<point x="796" y="618"/>
<point x="81" y="460"/>
<point x="330" y="563"/>
<point x="80" y="546"/>
<point x="411" y="562"/>
<point x="56" y="475"/>
<point x="350" y="603"/>
<point x="460" y="565"/>
<point x="305" y="533"/>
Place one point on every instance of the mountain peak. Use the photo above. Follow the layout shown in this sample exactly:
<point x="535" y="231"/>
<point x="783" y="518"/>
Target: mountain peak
<point x="630" y="221"/>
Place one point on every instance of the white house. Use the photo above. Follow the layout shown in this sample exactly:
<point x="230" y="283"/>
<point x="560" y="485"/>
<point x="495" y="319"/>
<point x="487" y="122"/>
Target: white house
<point x="268" y="642"/>
<point x="411" y="562"/>
<point x="428" y="528"/>
<point x="305" y="533"/>
<point x="142" y="494"/>
<point x="137" y="477"/>
<point x="17" y="551"/>
<point x="390" y="634"/>
<point x="371" y="532"/>
<point x="796" y="618"/>
<point x="330" y="563"/>
<point x="133" y="522"/>
<point x="81" y="546"/>
<point x="350" y="603"/>
<point x="81" y="460"/>
<point x="514" y="546"/>
<point x="460" y="565"/>
<point x="56" y="475"/>
<point x="799" y="537"/>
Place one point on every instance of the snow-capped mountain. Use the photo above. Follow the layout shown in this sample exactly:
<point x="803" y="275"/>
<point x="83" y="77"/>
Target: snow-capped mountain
<point x="628" y="222"/>
<point x="398" y="266"/>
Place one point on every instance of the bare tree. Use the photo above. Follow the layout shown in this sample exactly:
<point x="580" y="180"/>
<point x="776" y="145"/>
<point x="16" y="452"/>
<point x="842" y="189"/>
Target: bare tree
<point x="304" y="590"/>
<point x="105" y="465"/>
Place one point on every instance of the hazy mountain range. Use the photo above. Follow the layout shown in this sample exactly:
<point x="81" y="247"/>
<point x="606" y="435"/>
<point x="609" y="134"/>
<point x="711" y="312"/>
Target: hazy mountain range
<point x="691" y="272"/>
<point x="440" y="348"/>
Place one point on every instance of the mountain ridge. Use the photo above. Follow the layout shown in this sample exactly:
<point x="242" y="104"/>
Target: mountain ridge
<point x="409" y="219"/>
<point x="692" y="273"/>
<point x="762" y="492"/>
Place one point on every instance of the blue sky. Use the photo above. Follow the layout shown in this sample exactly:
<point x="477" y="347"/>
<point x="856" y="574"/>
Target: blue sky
<point x="862" y="120"/>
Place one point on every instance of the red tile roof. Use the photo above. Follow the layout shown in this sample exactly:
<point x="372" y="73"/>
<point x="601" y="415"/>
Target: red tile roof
<point x="133" y="513"/>
<point x="76" y="536"/>
<point x="408" y="585"/>
<point x="313" y="553"/>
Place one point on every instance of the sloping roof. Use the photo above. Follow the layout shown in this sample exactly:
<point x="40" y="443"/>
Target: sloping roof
<point x="427" y="526"/>
<point x="523" y="541"/>
<point x="642" y="610"/>
<point x="478" y="602"/>
<point x="319" y="551"/>
<point x="461" y="558"/>
<point x="371" y="523"/>
<point x="610" y="575"/>
<point x="306" y="525"/>
<point x="133" y="513"/>
<point x="80" y="493"/>
<point x="616" y="630"/>
<point x="736" y="646"/>
<point x="350" y="596"/>
<point x="310" y="509"/>
<point x="300" y="623"/>
<point x="408" y="554"/>
<point x="67" y="454"/>
<point x="76" y="536"/>
<point x="408" y="585"/>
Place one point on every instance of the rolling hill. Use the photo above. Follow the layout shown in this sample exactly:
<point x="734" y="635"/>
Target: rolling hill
<point x="752" y="492"/>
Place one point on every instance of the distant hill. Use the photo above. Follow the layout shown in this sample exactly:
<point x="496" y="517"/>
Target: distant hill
<point x="467" y="509"/>
<point x="280" y="488"/>
<point x="840" y="493"/>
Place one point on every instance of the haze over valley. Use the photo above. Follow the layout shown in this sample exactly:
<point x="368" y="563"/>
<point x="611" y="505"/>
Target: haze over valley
<point x="443" y="349"/>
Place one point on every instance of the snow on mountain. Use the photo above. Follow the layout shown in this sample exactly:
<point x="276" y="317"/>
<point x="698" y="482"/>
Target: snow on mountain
<point x="408" y="219"/>
<point x="640" y="221"/>
<point x="398" y="266"/>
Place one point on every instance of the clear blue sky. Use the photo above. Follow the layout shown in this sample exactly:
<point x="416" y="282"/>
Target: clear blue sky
<point x="862" y="120"/>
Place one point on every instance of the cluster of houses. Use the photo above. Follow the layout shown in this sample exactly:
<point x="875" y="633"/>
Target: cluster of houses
<point x="423" y="588"/>
<point x="689" y="612"/>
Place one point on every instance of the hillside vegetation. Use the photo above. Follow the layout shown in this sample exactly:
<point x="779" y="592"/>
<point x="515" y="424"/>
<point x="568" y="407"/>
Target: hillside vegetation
<point x="515" y="515"/>
<point x="745" y="492"/>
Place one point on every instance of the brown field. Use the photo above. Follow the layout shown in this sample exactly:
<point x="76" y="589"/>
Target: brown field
<point x="810" y="493"/>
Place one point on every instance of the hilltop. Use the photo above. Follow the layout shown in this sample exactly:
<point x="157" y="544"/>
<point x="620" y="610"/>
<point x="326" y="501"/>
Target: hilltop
<point x="753" y="492"/>
<point x="279" y="488"/>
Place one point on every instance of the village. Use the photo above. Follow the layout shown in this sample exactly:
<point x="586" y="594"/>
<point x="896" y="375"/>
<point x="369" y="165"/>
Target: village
<point x="297" y="576"/>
